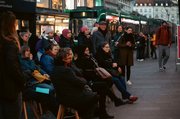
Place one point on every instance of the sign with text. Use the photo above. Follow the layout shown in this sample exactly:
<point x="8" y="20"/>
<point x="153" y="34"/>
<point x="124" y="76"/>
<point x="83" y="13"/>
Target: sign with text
<point x="178" y="42"/>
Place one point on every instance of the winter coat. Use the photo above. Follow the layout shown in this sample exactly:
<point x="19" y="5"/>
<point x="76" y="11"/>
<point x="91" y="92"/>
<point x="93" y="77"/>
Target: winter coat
<point x="140" y="42"/>
<point x="125" y="53"/>
<point x="70" y="85"/>
<point x="46" y="41"/>
<point x="27" y="64"/>
<point x="47" y="63"/>
<point x="88" y="67"/>
<point x="64" y="42"/>
<point x="98" y="39"/>
<point x="11" y="77"/>
<point x="163" y="36"/>
<point x="83" y="40"/>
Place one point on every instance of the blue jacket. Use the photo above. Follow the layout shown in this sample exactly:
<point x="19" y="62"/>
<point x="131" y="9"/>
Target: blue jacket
<point x="47" y="63"/>
<point x="27" y="64"/>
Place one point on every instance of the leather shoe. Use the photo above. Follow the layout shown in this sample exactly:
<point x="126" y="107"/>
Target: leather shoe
<point x="118" y="102"/>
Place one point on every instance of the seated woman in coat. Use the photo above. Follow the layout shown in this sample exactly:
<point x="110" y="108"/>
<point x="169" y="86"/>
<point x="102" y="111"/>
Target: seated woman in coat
<point x="105" y="60"/>
<point x="47" y="59"/>
<point x="71" y="88"/>
<point x="86" y="62"/>
<point x="36" y="82"/>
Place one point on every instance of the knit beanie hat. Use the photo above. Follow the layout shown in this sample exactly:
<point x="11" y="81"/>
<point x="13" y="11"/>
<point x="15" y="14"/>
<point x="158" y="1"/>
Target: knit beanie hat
<point x="84" y="28"/>
<point x="65" y="32"/>
<point x="48" y="30"/>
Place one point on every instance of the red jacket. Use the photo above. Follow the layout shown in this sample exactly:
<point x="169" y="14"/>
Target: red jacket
<point x="163" y="36"/>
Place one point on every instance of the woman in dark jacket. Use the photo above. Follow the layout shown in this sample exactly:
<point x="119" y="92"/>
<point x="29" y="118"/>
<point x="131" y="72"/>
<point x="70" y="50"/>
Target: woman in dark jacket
<point x="125" y="54"/>
<point x="116" y="39"/>
<point x="84" y="38"/>
<point x="66" y="39"/>
<point x="105" y="60"/>
<point x="11" y="78"/>
<point x="71" y="88"/>
<point x="86" y="62"/>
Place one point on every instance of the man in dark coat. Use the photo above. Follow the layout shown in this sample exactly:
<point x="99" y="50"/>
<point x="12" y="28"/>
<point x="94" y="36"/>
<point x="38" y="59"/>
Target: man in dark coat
<point x="100" y="36"/>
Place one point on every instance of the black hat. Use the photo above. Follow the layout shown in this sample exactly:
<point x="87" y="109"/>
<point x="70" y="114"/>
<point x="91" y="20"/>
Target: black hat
<point x="102" y="23"/>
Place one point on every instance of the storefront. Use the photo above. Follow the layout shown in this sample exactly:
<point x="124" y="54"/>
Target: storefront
<point x="50" y="14"/>
<point x="56" y="22"/>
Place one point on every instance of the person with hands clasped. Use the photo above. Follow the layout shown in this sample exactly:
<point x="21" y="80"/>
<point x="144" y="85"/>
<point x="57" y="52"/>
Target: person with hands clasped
<point x="105" y="60"/>
<point x="125" y="53"/>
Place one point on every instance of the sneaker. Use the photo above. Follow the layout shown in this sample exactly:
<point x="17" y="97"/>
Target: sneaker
<point x="132" y="99"/>
<point x="141" y="60"/>
<point x="161" y="69"/>
<point x="129" y="82"/>
<point x="164" y="67"/>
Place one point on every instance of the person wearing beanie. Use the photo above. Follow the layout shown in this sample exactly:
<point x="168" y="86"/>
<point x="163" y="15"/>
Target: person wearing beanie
<point x="48" y="38"/>
<point x="49" y="30"/>
<point x="66" y="39"/>
<point x="84" y="38"/>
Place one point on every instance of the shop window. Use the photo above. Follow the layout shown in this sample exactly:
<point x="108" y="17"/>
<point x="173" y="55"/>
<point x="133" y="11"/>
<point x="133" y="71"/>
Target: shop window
<point x="90" y="3"/>
<point x="98" y="3"/>
<point x="43" y="3"/>
<point x="69" y="4"/>
<point x="80" y="3"/>
<point x="57" y="4"/>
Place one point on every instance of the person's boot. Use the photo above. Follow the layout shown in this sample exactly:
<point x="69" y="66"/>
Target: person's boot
<point x="118" y="102"/>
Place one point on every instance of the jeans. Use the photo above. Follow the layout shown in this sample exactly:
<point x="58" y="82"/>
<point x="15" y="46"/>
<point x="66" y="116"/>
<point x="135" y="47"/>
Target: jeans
<point x="164" y="53"/>
<point x="121" y="86"/>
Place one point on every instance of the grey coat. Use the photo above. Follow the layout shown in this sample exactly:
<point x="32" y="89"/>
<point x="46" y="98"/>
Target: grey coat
<point x="98" y="39"/>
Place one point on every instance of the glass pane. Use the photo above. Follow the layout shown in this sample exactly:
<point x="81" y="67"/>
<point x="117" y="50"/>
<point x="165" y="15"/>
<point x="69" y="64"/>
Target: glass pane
<point x="43" y="3"/>
<point x="98" y="3"/>
<point x="80" y="3"/>
<point x="90" y="3"/>
<point x="57" y="4"/>
<point x="69" y="4"/>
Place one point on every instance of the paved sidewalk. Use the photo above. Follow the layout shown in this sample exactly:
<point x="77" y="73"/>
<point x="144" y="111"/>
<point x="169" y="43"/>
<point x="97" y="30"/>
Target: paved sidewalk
<point x="158" y="92"/>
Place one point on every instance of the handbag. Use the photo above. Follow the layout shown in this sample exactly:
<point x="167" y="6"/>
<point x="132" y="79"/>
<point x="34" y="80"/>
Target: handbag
<point x="103" y="73"/>
<point x="38" y="76"/>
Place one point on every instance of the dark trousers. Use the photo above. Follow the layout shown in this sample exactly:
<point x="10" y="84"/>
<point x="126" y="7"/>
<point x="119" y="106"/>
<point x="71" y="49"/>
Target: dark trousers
<point x="121" y="86"/>
<point x="140" y="52"/>
<point x="126" y="71"/>
<point x="153" y="52"/>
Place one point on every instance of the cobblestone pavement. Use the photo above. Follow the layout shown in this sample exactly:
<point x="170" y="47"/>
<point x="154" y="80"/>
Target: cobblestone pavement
<point x="158" y="92"/>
